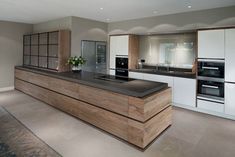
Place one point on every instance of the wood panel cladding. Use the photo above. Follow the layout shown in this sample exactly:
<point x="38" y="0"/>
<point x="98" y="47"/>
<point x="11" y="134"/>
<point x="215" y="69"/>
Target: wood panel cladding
<point x="133" y="53"/>
<point x="135" y="120"/>
<point x="140" y="109"/>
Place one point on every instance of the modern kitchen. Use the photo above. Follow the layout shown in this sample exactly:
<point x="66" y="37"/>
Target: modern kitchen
<point x="115" y="79"/>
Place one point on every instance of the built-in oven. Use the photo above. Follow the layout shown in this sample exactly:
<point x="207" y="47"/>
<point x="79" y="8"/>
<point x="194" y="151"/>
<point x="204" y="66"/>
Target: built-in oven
<point x="121" y="68"/>
<point x="211" y="90"/>
<point x="210" y="80"/>
<point x="211" y="69"/>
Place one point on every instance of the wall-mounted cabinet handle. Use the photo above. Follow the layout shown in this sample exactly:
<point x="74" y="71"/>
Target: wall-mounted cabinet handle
<point x="208" y="86"/>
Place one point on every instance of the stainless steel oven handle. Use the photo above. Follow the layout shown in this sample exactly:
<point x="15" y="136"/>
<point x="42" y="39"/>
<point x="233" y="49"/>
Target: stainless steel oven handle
<point x="211" y="68"/>
<point x="208" y="86"/>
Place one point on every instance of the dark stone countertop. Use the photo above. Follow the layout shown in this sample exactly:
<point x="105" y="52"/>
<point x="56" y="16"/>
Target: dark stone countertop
<point x="166" y="73"/>
<point x="126" y="86"/>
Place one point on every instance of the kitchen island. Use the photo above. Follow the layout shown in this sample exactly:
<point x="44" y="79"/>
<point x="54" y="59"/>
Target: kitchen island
<point x="136" y="111"/>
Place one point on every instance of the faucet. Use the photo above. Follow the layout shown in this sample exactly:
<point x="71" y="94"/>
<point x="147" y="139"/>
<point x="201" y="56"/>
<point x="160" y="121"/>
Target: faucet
<point x="157" y="68"/>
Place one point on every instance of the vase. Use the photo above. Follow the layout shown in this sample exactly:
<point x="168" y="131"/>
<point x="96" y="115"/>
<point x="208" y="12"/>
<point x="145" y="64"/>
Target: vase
<point x="76" y="68"/>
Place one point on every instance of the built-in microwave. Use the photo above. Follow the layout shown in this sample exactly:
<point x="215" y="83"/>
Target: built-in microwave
<point x="211" y="69"/>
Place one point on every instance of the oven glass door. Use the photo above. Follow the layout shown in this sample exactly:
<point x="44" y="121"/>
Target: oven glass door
<point x="211" y="89"/>
<point x="211" y="69"/>
<point x="121" y="63"/>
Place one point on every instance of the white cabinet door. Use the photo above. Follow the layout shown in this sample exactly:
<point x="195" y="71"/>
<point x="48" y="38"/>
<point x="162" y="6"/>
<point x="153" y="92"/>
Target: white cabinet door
<point x="159" y="78"/>
<point x="210" y="106"/>
<point x="112" y="53"/>
<point x="211" y="44"/>
<point x="136" y="75"/>
<point x="119" y="45"/>
<point x="111" y="72"/>
<point x="122" y="44"/>
<point x="229" y="99"/>
<point x="230" y="55"/>
<point x="184" y="91"/>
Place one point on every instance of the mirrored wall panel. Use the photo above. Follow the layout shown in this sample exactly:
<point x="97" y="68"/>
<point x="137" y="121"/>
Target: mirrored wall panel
<point x="171" y="49"/>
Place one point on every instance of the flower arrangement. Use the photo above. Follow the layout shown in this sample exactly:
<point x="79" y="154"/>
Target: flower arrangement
<point x="76" y="61"/>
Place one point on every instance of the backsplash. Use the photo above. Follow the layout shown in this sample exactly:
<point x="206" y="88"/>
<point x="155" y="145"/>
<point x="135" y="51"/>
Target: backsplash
<point x="170" y="49"/>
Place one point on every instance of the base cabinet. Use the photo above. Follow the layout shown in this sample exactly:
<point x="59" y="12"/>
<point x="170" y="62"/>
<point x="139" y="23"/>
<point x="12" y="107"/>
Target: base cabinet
<point x="229" y="99"/>
<point x="136" y="75"/>
<point x="210" y="106"/>
<point x="159" y="78"/>
<point x="184" y="91"/>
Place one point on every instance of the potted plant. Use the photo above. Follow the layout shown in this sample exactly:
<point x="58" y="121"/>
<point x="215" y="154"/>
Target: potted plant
<point x="76" y="63"/>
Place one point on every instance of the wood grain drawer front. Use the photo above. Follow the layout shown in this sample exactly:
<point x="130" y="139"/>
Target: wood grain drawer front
<point x="58" y="85"/>
<point x="35" y="91"/>
<point x="64" y="87"/>
<point x="145" y="108"/>
<point x="111" y="101"/>
<point x="34" y="78"/>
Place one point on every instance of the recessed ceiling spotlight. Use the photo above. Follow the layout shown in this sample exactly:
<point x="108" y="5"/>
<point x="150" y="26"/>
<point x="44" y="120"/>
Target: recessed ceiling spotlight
<point x="155" y="12"/>
<point x="101" y="8"/>
<point x="189" y="6"/>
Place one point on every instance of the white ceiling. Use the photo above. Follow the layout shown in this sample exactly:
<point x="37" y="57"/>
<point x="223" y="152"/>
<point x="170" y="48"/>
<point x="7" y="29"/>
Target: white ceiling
<point x="35" y="11"/>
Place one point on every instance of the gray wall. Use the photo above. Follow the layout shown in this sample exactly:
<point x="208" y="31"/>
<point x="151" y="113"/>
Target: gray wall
<point x="84" y="29"/>
<point x="81" y="29"/>
<point x="62" y="23"/>
<point x="176" y="22"/>
<point x="11" y="50"/>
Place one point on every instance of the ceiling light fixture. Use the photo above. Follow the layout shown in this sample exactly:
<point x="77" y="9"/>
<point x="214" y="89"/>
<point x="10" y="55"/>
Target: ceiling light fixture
<point x="189" y="6"/>
<point x="107" y="19"/>
<point x="155" y="12"/>
<point x="101" y="8"/>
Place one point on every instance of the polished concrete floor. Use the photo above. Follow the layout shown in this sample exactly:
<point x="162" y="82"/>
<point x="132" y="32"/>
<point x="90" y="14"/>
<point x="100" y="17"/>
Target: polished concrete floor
<point x="191" y="135"/>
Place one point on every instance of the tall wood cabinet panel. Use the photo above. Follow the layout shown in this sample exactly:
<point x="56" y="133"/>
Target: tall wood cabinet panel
<point x="47" y="50"/>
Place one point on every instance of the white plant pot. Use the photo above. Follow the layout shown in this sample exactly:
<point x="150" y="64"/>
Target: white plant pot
<point x="76" y="68"/>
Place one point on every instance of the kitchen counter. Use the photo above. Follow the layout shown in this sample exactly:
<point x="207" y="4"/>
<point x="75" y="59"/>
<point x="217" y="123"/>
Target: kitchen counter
<point x="131" y="87"/>
<point x="136" y="111"/>
<point x="166" y="73"/>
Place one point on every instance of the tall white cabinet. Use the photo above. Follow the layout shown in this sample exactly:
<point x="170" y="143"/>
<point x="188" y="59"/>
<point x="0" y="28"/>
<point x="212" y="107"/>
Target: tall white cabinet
<point x="211" y="44"/>
<point x="230" y="72"/>
<point x="118" y="46"/>
<point x="230" y="55"/>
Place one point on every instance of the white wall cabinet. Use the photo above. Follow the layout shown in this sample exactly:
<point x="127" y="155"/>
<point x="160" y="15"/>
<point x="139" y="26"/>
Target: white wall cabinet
<point x="119" y="45"/>
<point x="211" y="44"/>
<point x="184" y="91"/>
<point x="230" y="55"/>
<point x="229" y="99"/>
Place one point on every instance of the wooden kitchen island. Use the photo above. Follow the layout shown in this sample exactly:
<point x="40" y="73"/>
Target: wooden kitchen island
<point x="136" y="111"/>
